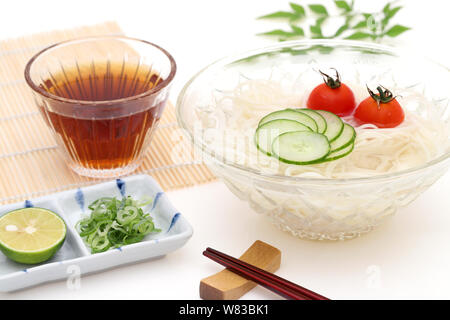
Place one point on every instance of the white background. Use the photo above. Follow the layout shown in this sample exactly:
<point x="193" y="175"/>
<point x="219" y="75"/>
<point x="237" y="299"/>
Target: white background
<point x="408" y="257"/>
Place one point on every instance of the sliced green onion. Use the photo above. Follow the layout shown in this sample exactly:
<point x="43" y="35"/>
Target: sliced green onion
<point x="145" y="201"/>
<point x="115" y="223"/>
<point x="85" y="227"/>
<point x="100" y="244"/>
<point x="127" y="214"/>
<point x="103" y="228"/>
<point x="117" y="226"/>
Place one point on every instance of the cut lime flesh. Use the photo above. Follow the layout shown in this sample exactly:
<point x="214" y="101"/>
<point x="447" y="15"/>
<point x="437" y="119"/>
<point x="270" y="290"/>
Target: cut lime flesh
<point x="31" y="235"/>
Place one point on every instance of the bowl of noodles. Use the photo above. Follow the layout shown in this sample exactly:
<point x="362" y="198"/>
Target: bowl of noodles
<point x="387" y="168"/>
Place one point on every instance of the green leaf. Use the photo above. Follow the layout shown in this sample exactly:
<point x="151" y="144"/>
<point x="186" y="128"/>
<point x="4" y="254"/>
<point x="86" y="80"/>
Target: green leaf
<point x="349" y="18"/>
<point x="393" y="11"/>
<point x="361" y="24"/>
<point x="281" y="15"/>
<point x="297" y="30"/>
<point x="386" y="8"/>
<point x="294" y="52"/>
<point x="352" y="4"/>
<point x="282" y="34"/>
<point x="341" y="29"/>
<point x="278" y="33"/>
<point x="356" y="25"/>
<point x="359" y="35"/>
<point x="319" y="9"/>
<point x="324" y="49"/>
<point x="367" y="15"/>
<point x="298" y="8"/>
<point x="316" y="30"/>
<point x="396" y="30"/>
<point x="388" y="15"/>
<point x="320" y="21"/>
<point x="341" y="4"/>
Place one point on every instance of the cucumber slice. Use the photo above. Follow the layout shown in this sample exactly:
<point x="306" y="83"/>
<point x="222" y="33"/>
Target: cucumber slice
<point x="267" y="132"/>
<point x="340" y="153"/>
<point x="318" y="118"/>
<point x="301" y="147"/>
<point x="335" y="126"/>
<point x="290" y="114"/>
<point x="347" y="137"/>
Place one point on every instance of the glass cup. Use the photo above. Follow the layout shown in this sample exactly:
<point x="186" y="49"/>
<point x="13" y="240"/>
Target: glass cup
<point x="102" y="97"/>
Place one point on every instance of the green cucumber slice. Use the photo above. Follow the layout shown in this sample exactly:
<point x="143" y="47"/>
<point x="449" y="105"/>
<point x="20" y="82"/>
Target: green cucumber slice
<point x="340" y="153"/>
<point x="267" y="132"/>
<point x="290" y="114"/>
<point x="335" y="126"/>
<point x="301" y="147"/>
<point x="318" y="118"/>
<point x="347" y="137"/>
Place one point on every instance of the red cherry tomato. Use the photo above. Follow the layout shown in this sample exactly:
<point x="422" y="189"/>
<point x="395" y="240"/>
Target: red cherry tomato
<point x="382" y="110"/>
<point x="333" y="96"/>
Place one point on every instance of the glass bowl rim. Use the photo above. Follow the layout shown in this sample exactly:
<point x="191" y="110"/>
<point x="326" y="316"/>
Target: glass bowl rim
<point x="288" y="179"/>
<point x="39" y="90"/>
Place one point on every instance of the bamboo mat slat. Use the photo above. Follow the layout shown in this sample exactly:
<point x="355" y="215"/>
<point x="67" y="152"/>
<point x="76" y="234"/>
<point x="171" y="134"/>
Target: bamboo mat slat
<point x="30" y="163"/>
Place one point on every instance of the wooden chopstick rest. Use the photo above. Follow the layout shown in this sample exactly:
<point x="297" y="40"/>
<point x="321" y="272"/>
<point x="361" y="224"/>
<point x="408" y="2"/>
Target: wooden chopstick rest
<point x="227" y="285"/>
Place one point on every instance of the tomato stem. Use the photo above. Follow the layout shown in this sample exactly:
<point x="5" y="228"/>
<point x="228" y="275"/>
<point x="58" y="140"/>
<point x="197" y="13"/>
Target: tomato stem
<point x="383" y="96"/>
<point x="331" y="82"/>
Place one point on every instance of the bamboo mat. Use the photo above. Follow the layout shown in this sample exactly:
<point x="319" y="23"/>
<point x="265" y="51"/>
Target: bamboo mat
<point x="30" y="164"/>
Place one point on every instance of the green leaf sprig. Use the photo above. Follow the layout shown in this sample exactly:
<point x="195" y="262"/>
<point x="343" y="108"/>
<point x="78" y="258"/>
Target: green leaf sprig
<point x="356" y="26"/>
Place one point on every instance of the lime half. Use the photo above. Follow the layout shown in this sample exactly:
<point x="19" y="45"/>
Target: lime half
<point x="31" y="235"/>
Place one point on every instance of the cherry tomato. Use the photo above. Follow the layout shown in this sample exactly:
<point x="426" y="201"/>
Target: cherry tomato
<point x="381" y="109"/>
<point x="333" y="96"/>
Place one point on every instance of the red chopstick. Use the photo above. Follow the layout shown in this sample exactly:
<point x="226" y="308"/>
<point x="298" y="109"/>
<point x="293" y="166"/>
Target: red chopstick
<point x="276" y="284"/>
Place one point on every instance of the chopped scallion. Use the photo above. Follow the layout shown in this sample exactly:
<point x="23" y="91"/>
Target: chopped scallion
<point x="113" y="223"/>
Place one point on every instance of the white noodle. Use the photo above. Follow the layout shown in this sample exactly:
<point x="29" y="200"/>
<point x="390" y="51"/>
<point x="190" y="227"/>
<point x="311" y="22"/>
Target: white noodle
<point x="416" y="141"/>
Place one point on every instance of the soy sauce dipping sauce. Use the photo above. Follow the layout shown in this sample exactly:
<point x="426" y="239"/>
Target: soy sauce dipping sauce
<point x="100" y="128"/>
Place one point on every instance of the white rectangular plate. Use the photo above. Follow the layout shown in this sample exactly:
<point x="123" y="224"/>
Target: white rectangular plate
<point x="72" y="205"/>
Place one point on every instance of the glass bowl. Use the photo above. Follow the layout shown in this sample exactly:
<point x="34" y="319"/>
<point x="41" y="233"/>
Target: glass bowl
<point x="307" y="207"/>
<point x="102" y="97"/>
